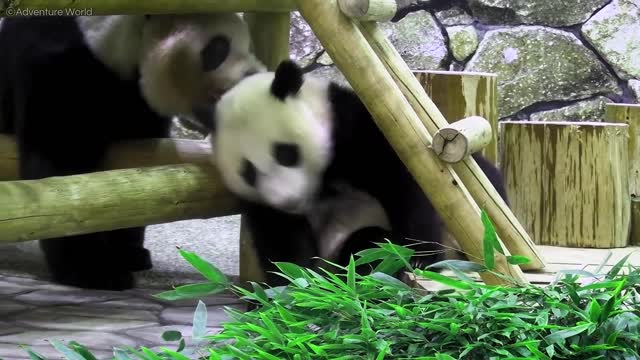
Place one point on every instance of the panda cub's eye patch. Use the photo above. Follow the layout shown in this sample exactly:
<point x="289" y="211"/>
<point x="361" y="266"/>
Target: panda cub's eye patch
<point x="286" y="154"/>
<point x="249" y="173"/>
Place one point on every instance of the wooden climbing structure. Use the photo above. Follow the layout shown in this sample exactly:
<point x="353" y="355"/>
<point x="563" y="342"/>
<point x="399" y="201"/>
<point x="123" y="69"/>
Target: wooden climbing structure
<point x="350" y="34"/>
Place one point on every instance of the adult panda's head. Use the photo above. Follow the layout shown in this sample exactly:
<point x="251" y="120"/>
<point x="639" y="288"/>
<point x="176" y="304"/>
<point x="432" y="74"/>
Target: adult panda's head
<point x="272" y="137"/>
<point x="185" y="61"/>
<point x="189" y="61"/>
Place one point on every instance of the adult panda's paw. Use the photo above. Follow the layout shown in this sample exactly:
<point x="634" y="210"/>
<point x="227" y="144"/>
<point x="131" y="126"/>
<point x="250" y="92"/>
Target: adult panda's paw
<point x="97" y="279"/>
<point x="136" y="259"/>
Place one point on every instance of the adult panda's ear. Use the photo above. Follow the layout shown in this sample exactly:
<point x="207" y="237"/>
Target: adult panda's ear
<point x="287" y="80"/>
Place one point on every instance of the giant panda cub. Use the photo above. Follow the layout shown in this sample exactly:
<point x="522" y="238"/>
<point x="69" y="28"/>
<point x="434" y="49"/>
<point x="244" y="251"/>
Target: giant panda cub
<point x="297" y="149"/>
<point x="71" y="86"/>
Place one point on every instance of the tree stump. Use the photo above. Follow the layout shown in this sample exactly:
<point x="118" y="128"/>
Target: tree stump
<point x="568" y="181"/>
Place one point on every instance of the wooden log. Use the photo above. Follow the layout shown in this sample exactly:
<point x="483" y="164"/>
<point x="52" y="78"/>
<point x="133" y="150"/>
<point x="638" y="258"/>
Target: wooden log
<point x="568" y="181"/>
<point x="373" y="10"/>
<point x="346" y="45"/>
<point x="270" y="40"/>
<point x="460" y="94"/>
<point x="109" y="200"/>
<point x="139" y="7"/>
<point x="509" y="229"/>
<point x="8" y="158"/>
<point x="455" y="142"/>
<point x="630" y="114"/>
<point x="125" y="155"/>
<point x="634" y="236"/>
<point x="269" y="37"/>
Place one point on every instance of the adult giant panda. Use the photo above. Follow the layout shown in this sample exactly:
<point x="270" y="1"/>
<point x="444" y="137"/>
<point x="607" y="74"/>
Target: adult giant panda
<point x="71" y="86"/>
<point x="293" y="147"/>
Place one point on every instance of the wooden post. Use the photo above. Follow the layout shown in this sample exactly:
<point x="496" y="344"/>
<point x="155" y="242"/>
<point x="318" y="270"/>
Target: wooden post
<point x="630" y="114"/>
<point x="269" y="37"/>
<point x="270" y="41"/>
<point x="455" y="142"/>
<point x="459" y="94"/>
<point x="109" y="200"/>
<point x="139" y="7"/>
<point x="403" y="128"/>
<point x="568" y="181"/>
<point x="508" y="227"/>
<point x="373" y="10"/>
<point x="8" y="158"/>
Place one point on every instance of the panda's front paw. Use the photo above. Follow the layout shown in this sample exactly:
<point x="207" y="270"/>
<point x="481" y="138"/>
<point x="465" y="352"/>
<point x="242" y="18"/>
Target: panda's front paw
<point x="96" y="279"/>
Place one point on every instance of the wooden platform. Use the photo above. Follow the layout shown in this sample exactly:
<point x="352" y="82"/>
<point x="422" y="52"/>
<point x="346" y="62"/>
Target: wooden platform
<point x="561" y="258"/>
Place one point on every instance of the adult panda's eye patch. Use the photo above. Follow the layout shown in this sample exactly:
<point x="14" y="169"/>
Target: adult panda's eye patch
<point x="286" y="154"/>
<point x="215" y="53"/>
<point x="249" y="173"/>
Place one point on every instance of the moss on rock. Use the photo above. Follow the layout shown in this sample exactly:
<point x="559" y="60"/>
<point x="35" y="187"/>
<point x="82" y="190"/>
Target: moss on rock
<point x="536" y="64"/>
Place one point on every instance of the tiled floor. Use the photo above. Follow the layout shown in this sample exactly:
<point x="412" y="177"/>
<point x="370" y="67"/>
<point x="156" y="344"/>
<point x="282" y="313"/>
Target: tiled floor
<point x="34" y="311"/>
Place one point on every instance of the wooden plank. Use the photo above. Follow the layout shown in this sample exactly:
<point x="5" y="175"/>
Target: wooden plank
<point x="558" y="259"/>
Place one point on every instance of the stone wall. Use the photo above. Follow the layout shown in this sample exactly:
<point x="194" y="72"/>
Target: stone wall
<point x="555" y="60"/>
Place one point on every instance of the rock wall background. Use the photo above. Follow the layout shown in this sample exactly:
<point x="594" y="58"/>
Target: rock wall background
<point x="555" y="60"/>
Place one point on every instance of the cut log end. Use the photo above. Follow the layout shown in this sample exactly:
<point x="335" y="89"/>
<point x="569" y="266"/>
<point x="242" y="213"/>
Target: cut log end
<point x="369" y="10"/>
<point x="455" y="142"/>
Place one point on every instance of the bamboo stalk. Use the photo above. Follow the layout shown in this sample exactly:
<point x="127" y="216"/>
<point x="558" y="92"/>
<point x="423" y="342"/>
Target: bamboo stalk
<point x="139" y="7"/>
<point x="270" y="40"/>
<point x="457" y="141"/>
<point x="109" y="200"/>
<point x="460" y="94"/>
<point x="394" y="115"/>
<point x="373" y="10"/>
<point x="509" y="229"/>
<point x="576" y="180"/>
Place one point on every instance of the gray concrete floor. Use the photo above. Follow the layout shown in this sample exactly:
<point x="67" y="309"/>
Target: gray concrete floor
<point x="213" y="239"/>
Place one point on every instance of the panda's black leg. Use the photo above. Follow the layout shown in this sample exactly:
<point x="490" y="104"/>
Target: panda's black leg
<point x="132" y="253"/>
<point x="86" y="261"/>
<point x="362" y="239"/>
<point x="280" y="237"/>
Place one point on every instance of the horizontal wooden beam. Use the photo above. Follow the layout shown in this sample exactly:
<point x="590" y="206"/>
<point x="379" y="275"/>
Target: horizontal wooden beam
<point x="110" y="200"/>
<point x="148" y="182"/>
<point x="128" y="7"/>
<point x="130" y="154"/>
<point x="373" y="10"/>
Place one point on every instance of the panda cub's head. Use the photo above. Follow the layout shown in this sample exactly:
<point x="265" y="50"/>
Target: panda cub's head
<point x="188" y="61"/>
<point x="272" y="138"/>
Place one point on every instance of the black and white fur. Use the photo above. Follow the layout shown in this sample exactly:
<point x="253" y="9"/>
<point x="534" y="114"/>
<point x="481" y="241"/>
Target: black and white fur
<point x="71" y="86"/>
<point x="290" y="144"/>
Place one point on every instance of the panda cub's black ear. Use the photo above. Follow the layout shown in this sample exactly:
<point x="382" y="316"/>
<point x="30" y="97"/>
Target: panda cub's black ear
<point x="287" y="81"/>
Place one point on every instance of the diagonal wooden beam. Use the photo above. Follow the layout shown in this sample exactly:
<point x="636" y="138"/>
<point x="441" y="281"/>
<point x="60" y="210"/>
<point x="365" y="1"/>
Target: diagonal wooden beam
<point x="510" y="230"/>
<point x="404" y="130"/>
